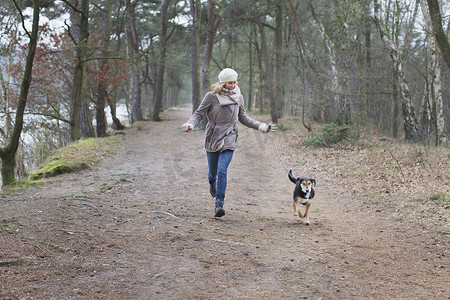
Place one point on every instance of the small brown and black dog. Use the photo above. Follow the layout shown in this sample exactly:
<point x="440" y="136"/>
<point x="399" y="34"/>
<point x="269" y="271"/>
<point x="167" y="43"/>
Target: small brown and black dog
<point x="304" y="189"/>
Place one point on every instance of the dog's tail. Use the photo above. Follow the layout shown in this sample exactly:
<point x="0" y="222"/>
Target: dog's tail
<point x="291" y="177"/>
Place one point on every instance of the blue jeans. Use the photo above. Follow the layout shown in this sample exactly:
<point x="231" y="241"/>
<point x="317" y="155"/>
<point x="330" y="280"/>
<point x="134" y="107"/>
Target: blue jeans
<point x="218" y="166"/>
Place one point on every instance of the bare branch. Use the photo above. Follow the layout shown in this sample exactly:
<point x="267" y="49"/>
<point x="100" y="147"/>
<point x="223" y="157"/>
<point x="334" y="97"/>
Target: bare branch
<point x="22" y="18"/>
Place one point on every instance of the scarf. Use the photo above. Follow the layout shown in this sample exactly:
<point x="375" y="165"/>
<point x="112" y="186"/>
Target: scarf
<point x="227" y="97"/>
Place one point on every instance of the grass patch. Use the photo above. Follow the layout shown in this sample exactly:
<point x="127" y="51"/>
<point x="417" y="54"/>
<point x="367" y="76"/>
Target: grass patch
<point x="18" y="186"/>
<point x="54" y="247"/>
<point x="7" y="229"/>
<point x="8" y="226"/>
<point x="110" y="186"/>
<point x="332" y="134"/>
<point x="281" y="127"/>
<point x="435" y="198"/>
<point x="78" y="156"/>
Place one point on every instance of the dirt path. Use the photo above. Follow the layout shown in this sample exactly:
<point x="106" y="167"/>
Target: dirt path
<point x="140" y="226"/>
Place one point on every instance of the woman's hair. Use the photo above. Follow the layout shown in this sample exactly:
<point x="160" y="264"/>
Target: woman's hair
<point x="218" y="86"/>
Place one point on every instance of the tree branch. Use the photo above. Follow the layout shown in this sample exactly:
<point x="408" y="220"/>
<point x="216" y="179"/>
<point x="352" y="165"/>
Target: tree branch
<point x="72" y="6"/>
<point x="49" y="116"/>
<point x="22" y="18"/>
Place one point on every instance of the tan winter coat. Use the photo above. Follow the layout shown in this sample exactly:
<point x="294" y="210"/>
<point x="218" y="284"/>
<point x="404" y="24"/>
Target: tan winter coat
<point x="222" y="130"/>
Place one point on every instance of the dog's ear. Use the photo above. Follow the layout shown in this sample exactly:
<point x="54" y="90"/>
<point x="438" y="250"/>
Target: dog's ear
<point x="291" y="177"/>
<point x="313" y="181"/>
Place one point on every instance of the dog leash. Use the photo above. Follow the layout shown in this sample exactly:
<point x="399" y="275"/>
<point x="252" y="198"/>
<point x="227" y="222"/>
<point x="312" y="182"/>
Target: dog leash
<point x="276" y="148"/>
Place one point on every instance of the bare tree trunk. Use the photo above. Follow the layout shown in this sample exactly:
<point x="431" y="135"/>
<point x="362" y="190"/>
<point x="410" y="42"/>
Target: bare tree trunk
<point x="136" y="110"/>
<point x="213" y="25"/>
<point x="434" y="70"/>
<point x="117" y="125"/>
<point x="342" y="113"/>
<point x="8" y="153"/>
<point x="409" y="116"/>
<point x="298" y="35"/>
<point x="278" y="92"/>
<point x="438" y="30"/>
<point x="250" y="75"/>
<point x="259" y="102"/>
<point x="162" y="62"/>
<point x="195" y="6"/>
<point x="314" y="74"/>
<point x="395" y="102"/>
<point x="80" y="32"/>
<point x="5" y="83"/>
<point x="86" y="126"/>
<point x="102" y="125"/>
<point x="368" y="49"/>
<point x="269" y="77"/>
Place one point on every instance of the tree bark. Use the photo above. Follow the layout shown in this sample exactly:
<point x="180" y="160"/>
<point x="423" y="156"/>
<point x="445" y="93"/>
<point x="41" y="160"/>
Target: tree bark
<point x="250" y="75"/>
<point x="213" y="25"/>
<point x="409" y="117"/>
<point x="195" y="7"/>
<point x="136" y="110"/>
<point x="433" y="75"/>
<point x="342" y="111"/>
<point x="279" y="98"/>
<point x="438" y="30"/>
<point x="86" y="126"/>
<point x="80" y="33"/>
<point x="162" y="62"/>
<point x="117" y="125"/>
<point x="8" y="154"/>
<point x="6" y="86"/>
<point x="102" y="125"/>
<point x="269" y="76"/>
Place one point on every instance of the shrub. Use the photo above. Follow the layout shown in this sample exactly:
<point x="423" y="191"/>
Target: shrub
<point x="332" y="134"/>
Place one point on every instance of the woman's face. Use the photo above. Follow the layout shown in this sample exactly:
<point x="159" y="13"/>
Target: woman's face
<point x="230" y="85"/>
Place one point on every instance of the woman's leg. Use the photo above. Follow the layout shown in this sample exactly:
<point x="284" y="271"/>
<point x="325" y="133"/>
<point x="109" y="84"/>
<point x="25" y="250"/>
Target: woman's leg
<point x="222" y="168"/>
<point x="213" y="160"/>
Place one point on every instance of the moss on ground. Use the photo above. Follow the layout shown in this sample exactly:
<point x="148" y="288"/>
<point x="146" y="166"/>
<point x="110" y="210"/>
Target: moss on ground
<point x="78" y="156"/>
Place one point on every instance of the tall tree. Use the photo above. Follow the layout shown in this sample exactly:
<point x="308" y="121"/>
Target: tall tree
<point x="409" y="116"/>
<point x="196" y="8"/>
<point x="438" y="30"/>
<point x="434" y="84"/>
<point x="213" y="23"/>
<point x="269" y="74"/>
<point x="342" y="111"/>
<point x="279" y="57"/>
<point x="8" y="153"/>
<point x="80" y="35"/>
<point x="133" y="41"/>
<point x="103" y="66"/>
<point x="162" y="61"/>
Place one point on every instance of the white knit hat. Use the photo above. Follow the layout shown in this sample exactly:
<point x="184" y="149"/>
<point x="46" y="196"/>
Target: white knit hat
<point x="227" y="75"/>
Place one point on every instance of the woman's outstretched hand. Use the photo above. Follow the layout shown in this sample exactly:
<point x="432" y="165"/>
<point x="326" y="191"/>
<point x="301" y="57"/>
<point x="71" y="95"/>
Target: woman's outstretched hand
<point x="186" y="127"/>
<point x="271" y="128"/>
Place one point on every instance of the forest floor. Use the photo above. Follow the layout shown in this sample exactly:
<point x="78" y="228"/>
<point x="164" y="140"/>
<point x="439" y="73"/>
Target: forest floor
<point x="140" y="225"/>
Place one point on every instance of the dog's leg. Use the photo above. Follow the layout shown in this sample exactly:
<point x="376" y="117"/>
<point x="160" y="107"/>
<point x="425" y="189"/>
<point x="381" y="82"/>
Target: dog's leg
<point x="294" y="206"/>
<point x="299" y="211"/>
<point x="306" y="213"/>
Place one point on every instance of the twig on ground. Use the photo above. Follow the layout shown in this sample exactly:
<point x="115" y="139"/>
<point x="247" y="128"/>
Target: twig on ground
<point x="398" y="164"/>
<point x="163" y="212"/>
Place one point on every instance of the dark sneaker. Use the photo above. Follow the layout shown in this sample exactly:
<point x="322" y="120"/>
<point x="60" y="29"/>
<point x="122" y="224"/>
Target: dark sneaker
<point x="212" y="189"/>
<point x="220" y="212"/>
